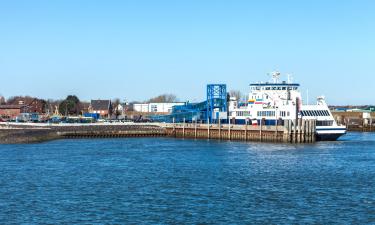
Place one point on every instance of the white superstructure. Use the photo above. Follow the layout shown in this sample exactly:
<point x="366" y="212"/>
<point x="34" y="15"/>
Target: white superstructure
<point x="275" y="101"/>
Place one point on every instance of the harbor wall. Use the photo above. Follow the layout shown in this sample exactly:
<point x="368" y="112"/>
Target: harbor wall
<point x="356" y="121"/>
<point x="26" y="135"/>
<point x="297" y="131"/>
<point x="12" y="134"/>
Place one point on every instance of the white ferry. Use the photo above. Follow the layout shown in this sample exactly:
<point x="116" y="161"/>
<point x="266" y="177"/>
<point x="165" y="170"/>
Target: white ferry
<point x="275" y="101"/>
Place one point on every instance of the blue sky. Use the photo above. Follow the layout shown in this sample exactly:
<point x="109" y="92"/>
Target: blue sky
<point x="135" y="50"/>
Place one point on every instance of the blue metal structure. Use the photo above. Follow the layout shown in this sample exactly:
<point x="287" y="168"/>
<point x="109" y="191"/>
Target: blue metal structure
<point x="216" y="99"/>
<point x="202" y="111"/>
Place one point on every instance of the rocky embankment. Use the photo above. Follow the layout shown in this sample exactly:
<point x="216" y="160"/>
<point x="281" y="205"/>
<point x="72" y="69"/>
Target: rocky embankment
<point x="26" y="135"/>
<point x="22" y="133"/>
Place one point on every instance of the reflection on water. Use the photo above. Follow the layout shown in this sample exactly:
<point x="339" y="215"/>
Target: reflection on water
<point x="152" y="181"/>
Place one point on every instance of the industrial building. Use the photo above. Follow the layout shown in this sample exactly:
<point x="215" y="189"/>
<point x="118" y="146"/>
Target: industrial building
<point x="162" y="107"/>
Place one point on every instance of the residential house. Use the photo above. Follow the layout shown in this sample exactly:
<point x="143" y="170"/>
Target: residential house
<point x="102" y="107"/>
<point x="18" y="105"/>
<point x="30" y="105"/>
<point x="11" y="111"/>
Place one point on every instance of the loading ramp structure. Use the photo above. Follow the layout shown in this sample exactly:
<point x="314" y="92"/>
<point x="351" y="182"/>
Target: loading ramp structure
<point x="211" y="110"/>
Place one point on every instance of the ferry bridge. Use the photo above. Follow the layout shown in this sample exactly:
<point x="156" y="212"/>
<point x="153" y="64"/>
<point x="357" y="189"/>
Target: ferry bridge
<point x="211" y="110"/>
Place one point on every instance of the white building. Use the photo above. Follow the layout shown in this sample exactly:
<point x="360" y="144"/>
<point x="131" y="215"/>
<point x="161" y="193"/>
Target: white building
<point x="155" y="107"/>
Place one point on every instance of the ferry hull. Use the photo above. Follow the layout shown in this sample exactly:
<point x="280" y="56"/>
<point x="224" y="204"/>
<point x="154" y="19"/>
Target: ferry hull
<point x="329" y="134"/>
<point x="328" y="137"/>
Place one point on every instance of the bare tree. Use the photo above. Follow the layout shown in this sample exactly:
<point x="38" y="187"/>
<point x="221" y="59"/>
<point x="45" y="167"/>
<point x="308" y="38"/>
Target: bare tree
<point x="237" y="94"/>
<point x="2" y="100"/>
<point x="164" y="98"/>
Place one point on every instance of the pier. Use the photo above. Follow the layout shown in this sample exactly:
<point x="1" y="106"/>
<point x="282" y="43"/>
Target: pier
<point x="297" y="131"/>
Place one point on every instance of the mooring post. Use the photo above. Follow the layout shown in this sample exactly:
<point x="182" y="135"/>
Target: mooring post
<point x="290" y="131"/>
<point x="208" y="128"/>
<point x="260" y="130"/>
<point x="303" y="139"/>
<point x="276" y="130"/>
<point x="310" y="132"/>
<point x="195" y="129"/>
<point x="174" y="128"/>
<point x="219" y="129"/>
<point x="299" y="130"/>
<point x="246" y="131"/>
<point x="294" y="130"/>
<point x="183" y="129"/>
<point x="313" y="130"/>
<point x="229" y="134"/>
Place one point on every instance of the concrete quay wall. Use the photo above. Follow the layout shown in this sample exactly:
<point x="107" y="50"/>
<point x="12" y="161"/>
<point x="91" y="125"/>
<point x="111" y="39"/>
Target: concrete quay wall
<point x="297" y="131"/>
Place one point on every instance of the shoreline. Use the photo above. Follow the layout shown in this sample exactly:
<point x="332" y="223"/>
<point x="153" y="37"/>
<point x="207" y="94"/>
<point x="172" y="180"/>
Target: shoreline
<point x="19" y="133"/>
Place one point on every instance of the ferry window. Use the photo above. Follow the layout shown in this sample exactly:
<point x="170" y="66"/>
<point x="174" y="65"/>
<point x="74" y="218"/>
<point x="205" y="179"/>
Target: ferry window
<point x="327" y="113"/>
<point x="303" y="113"/>
<point x="268" y="88"/>
<point x="279" y="88"/>
<point x="288" y="113"/>
<point x="274" y="88"/>
<point x="322" y="112"/>
<point x="284" y="88"/>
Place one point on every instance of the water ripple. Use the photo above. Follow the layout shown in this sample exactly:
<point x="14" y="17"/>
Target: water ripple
<point x="175" y="181"/>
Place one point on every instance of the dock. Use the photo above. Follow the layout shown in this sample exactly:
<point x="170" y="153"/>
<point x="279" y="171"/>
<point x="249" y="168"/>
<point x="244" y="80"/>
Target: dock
<point x="297" y="131"/>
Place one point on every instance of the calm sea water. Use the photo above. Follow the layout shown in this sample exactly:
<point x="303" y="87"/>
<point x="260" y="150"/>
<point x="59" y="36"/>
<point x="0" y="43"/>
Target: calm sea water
<point x="174" y="181"/>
